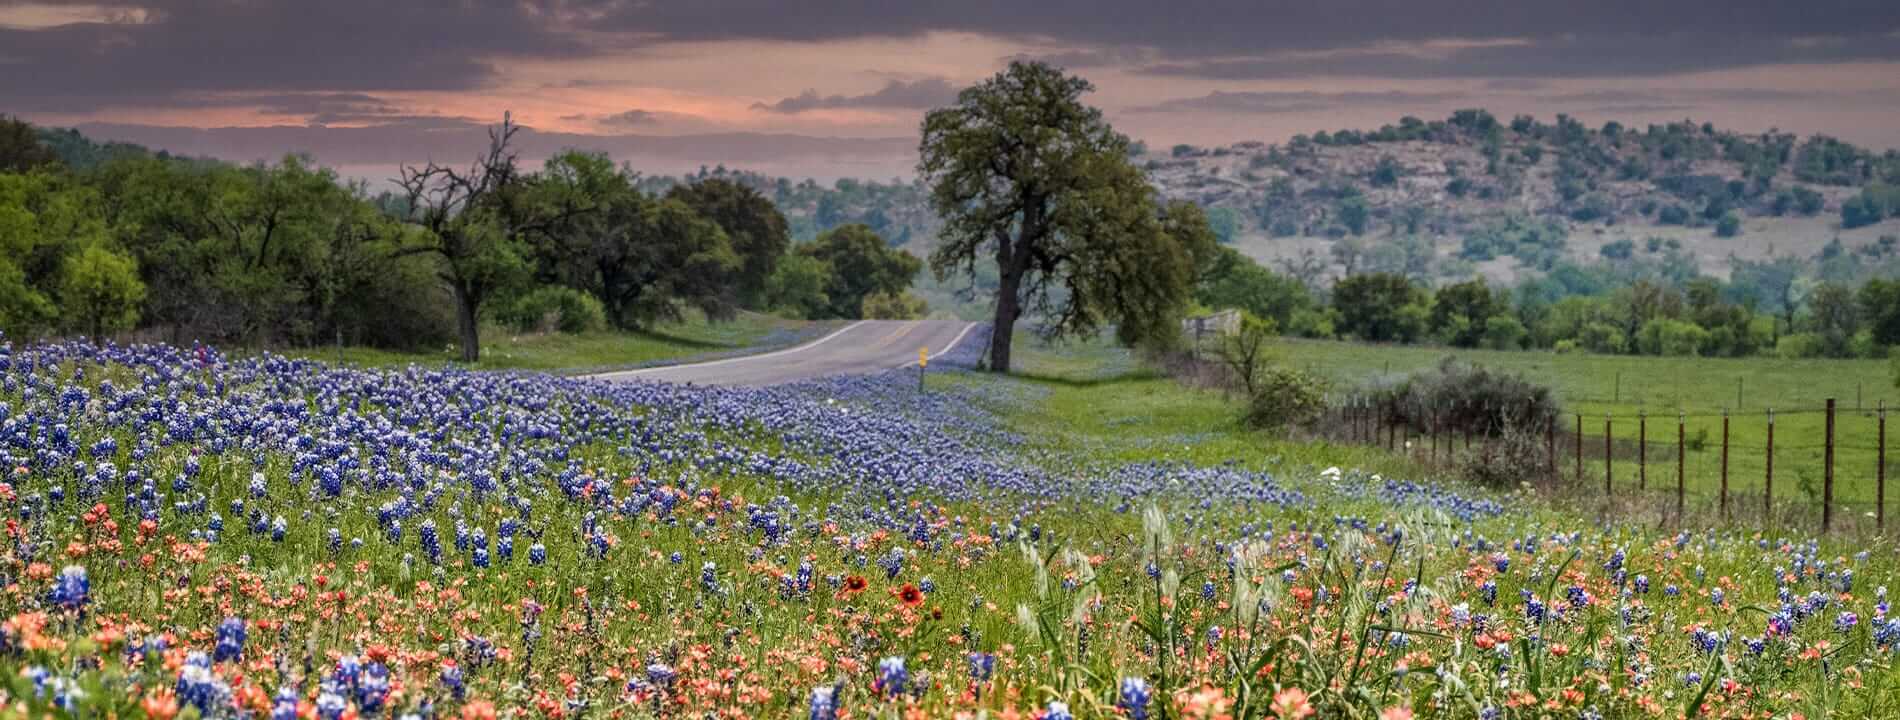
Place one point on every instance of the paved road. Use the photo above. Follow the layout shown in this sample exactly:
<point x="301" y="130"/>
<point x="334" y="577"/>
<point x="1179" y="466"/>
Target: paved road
<point x="863" y="347"/>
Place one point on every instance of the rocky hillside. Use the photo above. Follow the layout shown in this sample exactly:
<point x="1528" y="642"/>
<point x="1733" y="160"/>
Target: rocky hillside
<point x="1475" y="193"/>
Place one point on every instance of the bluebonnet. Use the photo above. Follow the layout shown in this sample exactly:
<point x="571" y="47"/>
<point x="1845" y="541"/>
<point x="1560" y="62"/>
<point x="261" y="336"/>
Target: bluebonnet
<point x="284" y="704"/>
<point x="1845" y="621"/>
<point x="451" y="680"/>
<point x="197" y="686"/>
<point x="230" y="640"/>
<point x="72" y="590"/>
<point x="1132" y="698"/>
<point x="981" y="665"/>
<point x="824" y="703"/>
<point x="891" y="677"/>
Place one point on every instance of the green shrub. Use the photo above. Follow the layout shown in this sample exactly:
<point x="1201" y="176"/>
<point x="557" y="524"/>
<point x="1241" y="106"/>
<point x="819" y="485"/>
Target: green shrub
<point x="1602" y="337"/>
<point x="1729" y="226"/>
<point x="1663" y="336"/>
<point x="555" y="307"/>
<point x="1462" y="397"/>
<point x="1800" y="345"/>
<point x="1503" y="332"/>
<point x="1285" y="397"/>
<point x="1516" y="457"/>
<point x="893" y="306"/>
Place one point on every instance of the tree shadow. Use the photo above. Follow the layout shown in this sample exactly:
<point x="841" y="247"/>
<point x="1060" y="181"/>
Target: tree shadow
<point x="1136" y="374"/>
<point x="696" y="343"/>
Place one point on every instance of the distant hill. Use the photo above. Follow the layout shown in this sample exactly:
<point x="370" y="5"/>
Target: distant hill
<point x="1509" y="198"/>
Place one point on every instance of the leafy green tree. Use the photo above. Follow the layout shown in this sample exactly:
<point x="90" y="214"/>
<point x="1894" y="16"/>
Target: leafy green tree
<point x="1880" y="306"/>
<point x="1245" y="351"/>
<point x="1666" y="336"/>
<point x="1503" y="332"/>
<point x="1461" y="312"/>
<point x="1354" y="214"/>
<point x="1380" y="307"/>
<point x="797" y="287"/>
<point x="861" y="264"/>
<point x="1236" y="281"/>
<point x="1771" y="285"/>
<point x="1225" y="223"/>
<point x="893" y="306"/>
<point x="1027" y="176"/>
<point x="1834" y="315"/>
<point x="1867" y="208"/>
<point x="100" y="291"/>
<point x="1729" y="226"/>
<point x="754" y="226"/>
<point x="43" y="218"/>
<point x="20" y="146"/>
<point x="474" y="223"/>
<point x="647" y="259"/>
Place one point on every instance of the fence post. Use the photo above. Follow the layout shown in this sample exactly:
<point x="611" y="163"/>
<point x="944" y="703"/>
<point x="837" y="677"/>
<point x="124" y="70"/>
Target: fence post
<point x="1357" y="411"/>
<point x="1608" y="487"/>
<point x="1550" y="446"/>
<point x="1579" y="448"/>
<point x="1768" y="487"/>
<point x="1827" y="473"/>
<point x="1725" y="464"/>
<point x="1642" y="450"/>
<point x="1392" y="436"/>
<point x="1681" y="455"/>
<point x="1880" y="472"/>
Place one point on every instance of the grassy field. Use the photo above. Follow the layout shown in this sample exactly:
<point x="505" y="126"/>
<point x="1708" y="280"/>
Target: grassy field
<point x="1093" y="398"/>
<point x="591" y="352"/>
<point x="1702" y="388"/>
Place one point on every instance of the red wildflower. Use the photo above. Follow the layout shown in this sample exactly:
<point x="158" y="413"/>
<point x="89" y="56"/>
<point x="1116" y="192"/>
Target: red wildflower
<point x="910" y="595"/>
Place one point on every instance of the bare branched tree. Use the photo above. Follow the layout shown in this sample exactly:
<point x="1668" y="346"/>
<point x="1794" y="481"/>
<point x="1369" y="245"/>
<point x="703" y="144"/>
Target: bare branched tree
<point x="463" y="219"/>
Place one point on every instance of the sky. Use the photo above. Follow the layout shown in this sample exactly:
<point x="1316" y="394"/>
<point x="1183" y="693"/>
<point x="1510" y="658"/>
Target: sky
<point x="830" y="88"/>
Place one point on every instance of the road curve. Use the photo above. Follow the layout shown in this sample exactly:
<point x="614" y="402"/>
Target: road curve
<point x="863" y="347"/>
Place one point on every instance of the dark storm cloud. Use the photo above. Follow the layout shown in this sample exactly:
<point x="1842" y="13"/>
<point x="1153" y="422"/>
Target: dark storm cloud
<point x="1577" y="56"/>
<point x="1231" y="38"/>
<point x="160" y="52"/>
<point x="180" y="47"/>
<point x="925" y="93"/>
<point x="1271" y="102"/>
<point x="1197" y="27"/>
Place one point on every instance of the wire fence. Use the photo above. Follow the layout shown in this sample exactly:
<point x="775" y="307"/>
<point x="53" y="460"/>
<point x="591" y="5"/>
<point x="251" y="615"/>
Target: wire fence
<point x="1733" y="479"/>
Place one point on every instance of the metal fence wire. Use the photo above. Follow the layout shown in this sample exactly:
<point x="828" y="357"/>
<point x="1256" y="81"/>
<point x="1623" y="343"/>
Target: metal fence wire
<point x="1659" y="451"/>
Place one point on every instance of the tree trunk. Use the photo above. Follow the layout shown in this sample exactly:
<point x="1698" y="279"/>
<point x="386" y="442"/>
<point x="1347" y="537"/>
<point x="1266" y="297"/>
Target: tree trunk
<point x="467" y="323"/>
<point x="1008" y="307"/>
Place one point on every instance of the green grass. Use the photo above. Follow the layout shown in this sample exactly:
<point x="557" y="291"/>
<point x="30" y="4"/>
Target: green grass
<point x="575" y="353"/>
<point x="1625" y="386"/>
<point x="1095" y="398"/>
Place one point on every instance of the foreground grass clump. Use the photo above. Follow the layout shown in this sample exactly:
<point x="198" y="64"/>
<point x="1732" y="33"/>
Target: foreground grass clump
<point x="195" y="535"/>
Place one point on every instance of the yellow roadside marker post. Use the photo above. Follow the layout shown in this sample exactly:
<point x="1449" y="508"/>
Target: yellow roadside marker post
<point x="923" y="359"/>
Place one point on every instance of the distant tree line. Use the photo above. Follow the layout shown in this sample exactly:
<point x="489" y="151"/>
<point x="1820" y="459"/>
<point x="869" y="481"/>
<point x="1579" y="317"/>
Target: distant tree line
<point x="104" y="239"/>
<point x="1771" y="306"/>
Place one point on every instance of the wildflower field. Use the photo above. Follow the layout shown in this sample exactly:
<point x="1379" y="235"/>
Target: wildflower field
<point x="195" y="535"/>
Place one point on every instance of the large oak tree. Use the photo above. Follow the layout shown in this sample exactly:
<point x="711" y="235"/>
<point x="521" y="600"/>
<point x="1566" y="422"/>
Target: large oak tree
<point x="1028" y="176"/>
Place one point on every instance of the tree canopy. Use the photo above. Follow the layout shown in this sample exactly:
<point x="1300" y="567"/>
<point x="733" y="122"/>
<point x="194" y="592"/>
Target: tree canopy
<point x="1027" y="176"/>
